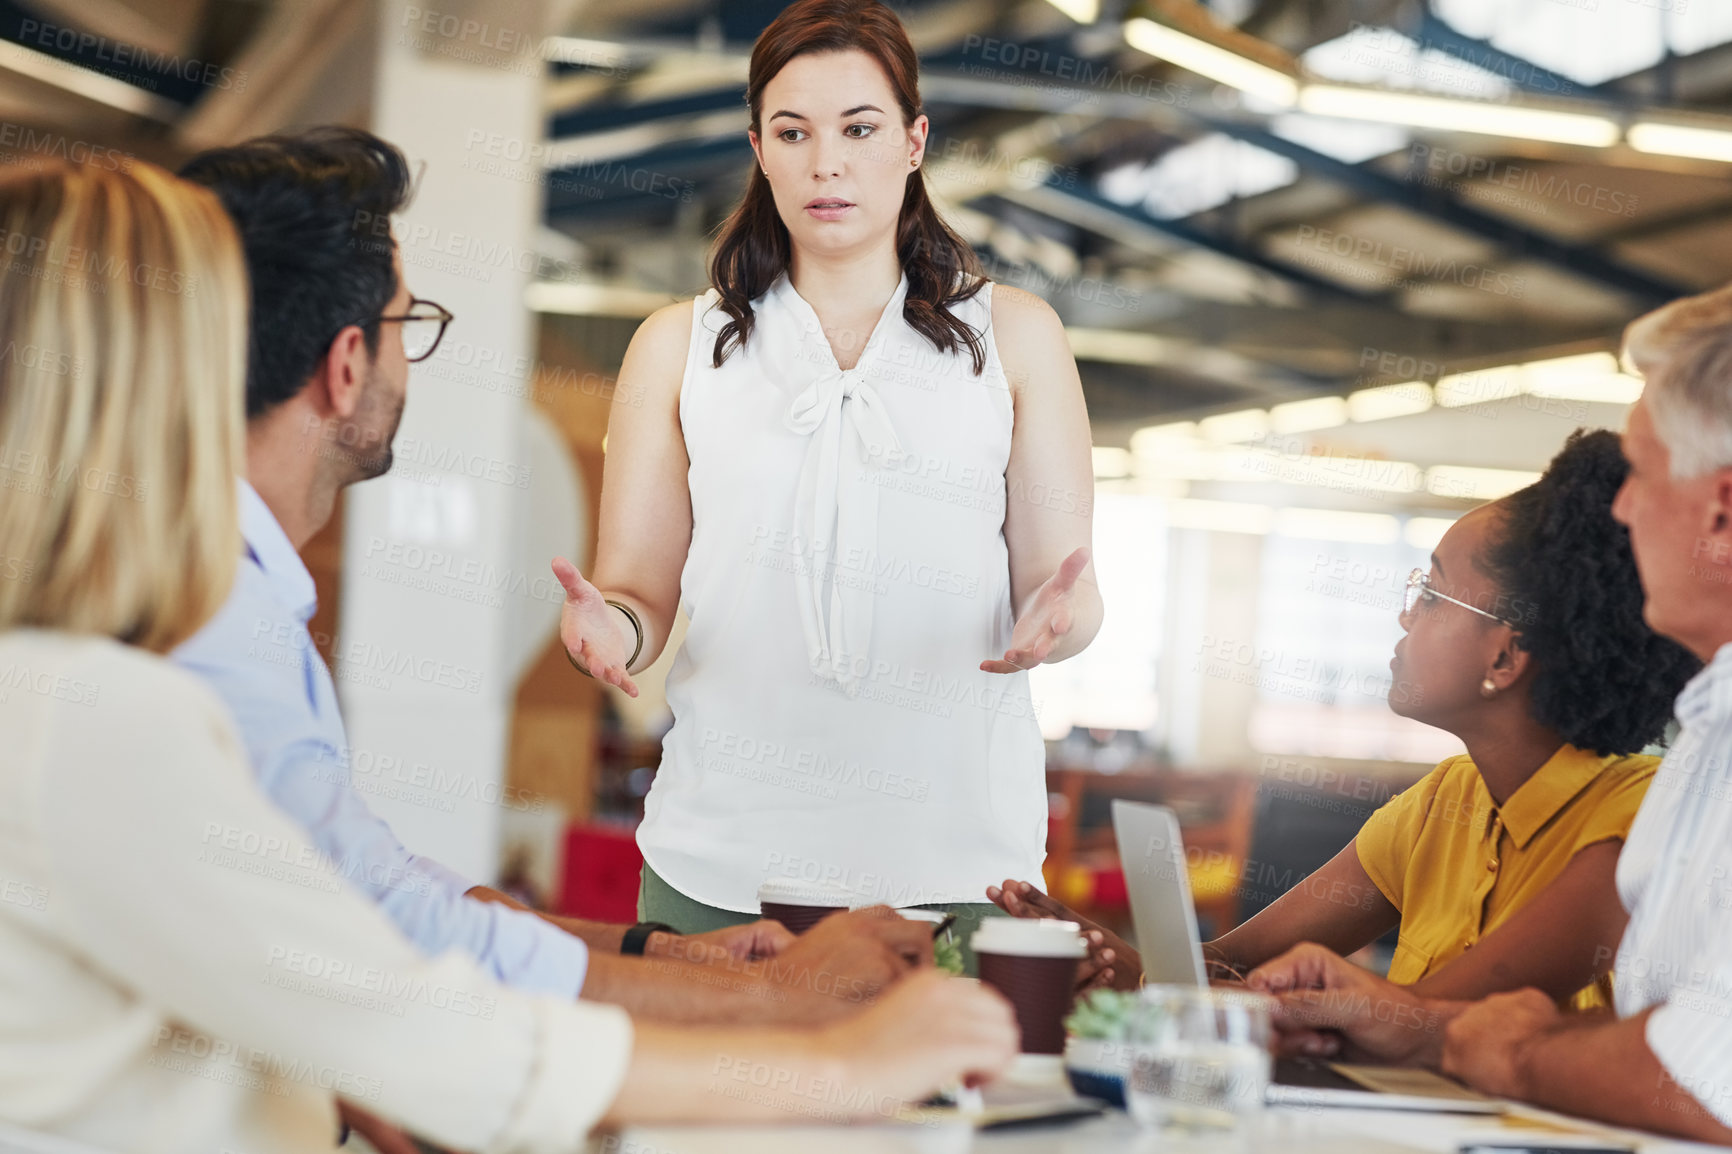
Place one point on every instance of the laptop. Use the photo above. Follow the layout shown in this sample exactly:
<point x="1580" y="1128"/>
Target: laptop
<point x="1152" y="852"/>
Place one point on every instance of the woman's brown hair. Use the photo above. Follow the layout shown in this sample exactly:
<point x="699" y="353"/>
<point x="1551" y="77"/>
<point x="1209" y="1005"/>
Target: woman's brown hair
<point x="753" y="248"/>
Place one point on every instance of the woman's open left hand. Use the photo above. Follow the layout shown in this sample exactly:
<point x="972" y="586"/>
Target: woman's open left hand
<point x="1048" y="617"/>
<point x="589" y="630"/>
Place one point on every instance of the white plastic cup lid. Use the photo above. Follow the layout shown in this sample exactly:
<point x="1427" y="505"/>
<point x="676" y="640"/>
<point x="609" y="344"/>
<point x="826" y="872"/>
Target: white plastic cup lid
<point x="934" y="917"/>
<point x="794" y="892"/>
<point x="1029" y="937"/>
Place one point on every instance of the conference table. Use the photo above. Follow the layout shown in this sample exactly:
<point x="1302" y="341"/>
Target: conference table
<point x="1280" y="1130"/>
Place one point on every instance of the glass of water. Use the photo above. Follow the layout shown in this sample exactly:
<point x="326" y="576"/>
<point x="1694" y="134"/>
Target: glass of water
<point x="1200" y="1058"/>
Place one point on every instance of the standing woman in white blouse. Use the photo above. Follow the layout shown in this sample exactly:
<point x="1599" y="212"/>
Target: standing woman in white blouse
<point x="863" y="471"/>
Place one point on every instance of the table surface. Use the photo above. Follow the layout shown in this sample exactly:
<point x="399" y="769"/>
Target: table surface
<point x="1280" y="1130"/>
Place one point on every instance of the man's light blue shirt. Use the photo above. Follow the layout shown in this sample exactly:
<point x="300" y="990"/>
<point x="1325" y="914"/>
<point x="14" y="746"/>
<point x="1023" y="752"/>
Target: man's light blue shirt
<point x="257" y="654"/>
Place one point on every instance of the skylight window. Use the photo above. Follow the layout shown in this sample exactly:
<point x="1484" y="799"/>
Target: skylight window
<point x="1385" y="57"/>
<point x="1199" y="175"/>
<point x="1349" y="141"/>
<point x="1591" y="43"/>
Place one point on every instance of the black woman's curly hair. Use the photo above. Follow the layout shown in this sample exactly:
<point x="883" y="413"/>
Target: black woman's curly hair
<point x="1605" y="681"/>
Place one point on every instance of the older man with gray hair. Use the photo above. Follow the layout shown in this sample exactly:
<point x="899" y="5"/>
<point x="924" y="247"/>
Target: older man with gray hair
<point x="1665" y="1061"/>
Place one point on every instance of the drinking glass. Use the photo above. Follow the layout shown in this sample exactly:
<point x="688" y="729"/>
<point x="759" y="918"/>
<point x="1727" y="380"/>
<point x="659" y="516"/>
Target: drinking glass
<point x="1200" y="1058"/>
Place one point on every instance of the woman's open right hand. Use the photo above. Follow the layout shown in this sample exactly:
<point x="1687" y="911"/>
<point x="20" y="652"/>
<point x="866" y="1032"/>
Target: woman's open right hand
<point x="593" y="633"/>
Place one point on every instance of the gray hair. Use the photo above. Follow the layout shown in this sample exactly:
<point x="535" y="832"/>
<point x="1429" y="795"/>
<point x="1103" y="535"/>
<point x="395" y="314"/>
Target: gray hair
<point x="1684" y="350"/>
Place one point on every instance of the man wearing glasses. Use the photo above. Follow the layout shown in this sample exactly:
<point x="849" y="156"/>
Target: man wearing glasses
<point x="334" y="330"/>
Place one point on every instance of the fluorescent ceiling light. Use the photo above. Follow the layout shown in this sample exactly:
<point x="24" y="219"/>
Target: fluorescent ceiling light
<point x="593" y="300"/>
<point x="1343" y="473"/>
<point x="1304" y="416"/>
<point x="1338" y="525"/>
<point x="1123" y="346"/>
<point x="1387" y="401"/>
<point x="591" y="53"/>
<point x="1680" y="140"/>
<point x="1155" y="440"/>
<point x="85" y="82"/>
<point x="1219" y="516"/>
<point x="1212" y="61"/>
<point x="1426" y="532"/>
<point x="1469" y="483"/>
<point x="1589" y="377"/>
<point x="1476" y="388"/>
<point x="1363" y="476"/>
<point x="1459" y="115"/>
<point x="1242" y="425"/>
<point x="1082" y="11"/>
<point x="1111" y="463"/>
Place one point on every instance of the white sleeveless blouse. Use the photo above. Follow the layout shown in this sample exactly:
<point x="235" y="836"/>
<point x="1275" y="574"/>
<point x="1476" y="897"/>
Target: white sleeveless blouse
<point x="847" y="575"/>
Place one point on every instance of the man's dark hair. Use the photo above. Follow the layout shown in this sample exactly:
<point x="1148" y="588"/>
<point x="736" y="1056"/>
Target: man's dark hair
<point x="314" y="214"/>
<point x="1605" y="681"/>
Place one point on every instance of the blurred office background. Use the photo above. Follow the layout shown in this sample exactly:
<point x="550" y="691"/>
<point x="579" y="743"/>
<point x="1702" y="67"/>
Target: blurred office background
<point x="1334" y="272"/>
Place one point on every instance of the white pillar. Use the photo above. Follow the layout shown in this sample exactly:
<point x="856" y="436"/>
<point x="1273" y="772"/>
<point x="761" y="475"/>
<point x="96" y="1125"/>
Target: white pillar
<point x="1207" y="698"/>
<point x="430" y="564"/>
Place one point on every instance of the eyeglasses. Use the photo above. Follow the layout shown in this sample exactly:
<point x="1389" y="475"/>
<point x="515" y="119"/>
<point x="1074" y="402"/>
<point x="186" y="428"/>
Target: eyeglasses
<point x="1419" y="589"/>
<point x="423" y="328"/>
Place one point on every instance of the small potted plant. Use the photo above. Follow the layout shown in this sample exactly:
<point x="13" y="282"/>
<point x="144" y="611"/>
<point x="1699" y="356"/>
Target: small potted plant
<point x="1097" y="1053"/>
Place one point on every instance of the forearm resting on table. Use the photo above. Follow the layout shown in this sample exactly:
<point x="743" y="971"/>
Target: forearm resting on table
<point x="675" y="991"/>
<point x="602" y="936"/>
<point x="1337" y="906"/>
<point x="682" y="1075"/>
<point x="1606" y="1071"/>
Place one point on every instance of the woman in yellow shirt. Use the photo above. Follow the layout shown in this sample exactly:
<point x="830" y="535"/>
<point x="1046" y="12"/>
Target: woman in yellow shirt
<point x="1526" y="641"/>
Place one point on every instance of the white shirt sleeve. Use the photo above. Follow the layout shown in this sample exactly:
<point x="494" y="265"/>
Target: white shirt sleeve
<point x="1691" y="1031"/>
<point x="172" y="873"/>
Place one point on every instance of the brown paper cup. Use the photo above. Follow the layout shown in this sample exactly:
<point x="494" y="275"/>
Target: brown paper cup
<point x="800" y="905"/>
<point x="1033" y="963"/>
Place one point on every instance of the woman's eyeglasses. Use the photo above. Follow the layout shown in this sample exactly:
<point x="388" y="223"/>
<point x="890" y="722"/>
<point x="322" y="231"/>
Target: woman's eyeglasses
<point x="423" y="327"/>
<point x="1419" y="590"/>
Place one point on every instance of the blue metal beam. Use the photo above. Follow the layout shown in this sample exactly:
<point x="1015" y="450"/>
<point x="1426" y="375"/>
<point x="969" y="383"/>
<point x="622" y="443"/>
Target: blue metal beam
<point x="1512" y="239"/>
<point x="1200" y="238"/>
<point x="592" y="118"/>
<point x="1518" y="70"/>
<point x="662" y="177"/>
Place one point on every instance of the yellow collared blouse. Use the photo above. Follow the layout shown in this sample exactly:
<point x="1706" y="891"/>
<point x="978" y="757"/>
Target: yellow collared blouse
<point x="1457" y="865"/>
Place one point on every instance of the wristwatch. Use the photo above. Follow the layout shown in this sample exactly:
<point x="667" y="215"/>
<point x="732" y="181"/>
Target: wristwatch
<point x="638" y="936"/>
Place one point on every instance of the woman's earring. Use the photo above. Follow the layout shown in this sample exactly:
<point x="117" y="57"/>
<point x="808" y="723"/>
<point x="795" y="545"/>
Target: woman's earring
<point x="1488" y="688"/>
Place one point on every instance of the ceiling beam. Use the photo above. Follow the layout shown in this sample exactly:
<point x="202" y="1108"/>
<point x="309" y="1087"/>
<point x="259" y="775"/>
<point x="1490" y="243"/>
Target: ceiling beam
<point x="1086" y="208"/>
<point x="1517" y="70"/>
<point x="1515" y="241"/>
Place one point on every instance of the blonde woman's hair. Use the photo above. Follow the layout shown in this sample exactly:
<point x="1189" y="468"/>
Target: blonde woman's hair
<point x="1685" y="352"/>
<point x="123" y="312"/>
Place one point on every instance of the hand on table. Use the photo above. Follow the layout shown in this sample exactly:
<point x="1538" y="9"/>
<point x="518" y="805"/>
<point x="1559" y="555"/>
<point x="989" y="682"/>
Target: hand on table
<point x="854" y="954"/>
<point x="1317" y="990"/>
<point x="929" y="1032"/>
<point x="763" y="938"/>
<point x="590" y="629"/>
<point x="1048" y="617"/>
<point x="1112" y="962"/>
<point x="1482" y="1045"/>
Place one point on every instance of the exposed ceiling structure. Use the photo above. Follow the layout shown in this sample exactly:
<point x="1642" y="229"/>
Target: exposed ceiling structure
<point x="1276" y="253"/>
<point x="1338" y="199"/>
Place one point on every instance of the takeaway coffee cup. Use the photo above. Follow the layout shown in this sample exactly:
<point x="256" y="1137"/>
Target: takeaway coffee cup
<point x="1032" y="962"/>
<point x="800" y="905"/>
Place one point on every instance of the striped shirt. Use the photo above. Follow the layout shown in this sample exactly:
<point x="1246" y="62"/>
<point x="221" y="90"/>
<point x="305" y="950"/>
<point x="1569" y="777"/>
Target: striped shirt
<point x="1675" y="878"/>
